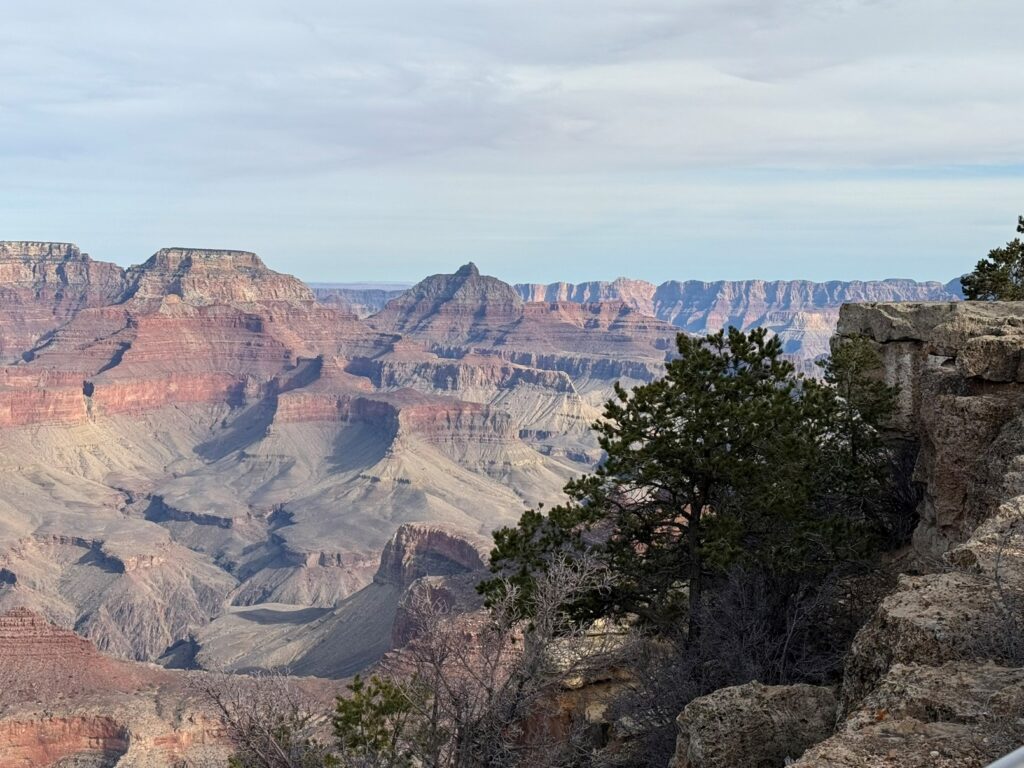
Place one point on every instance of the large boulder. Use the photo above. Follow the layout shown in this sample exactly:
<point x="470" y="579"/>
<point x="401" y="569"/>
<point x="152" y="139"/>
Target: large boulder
<point x="753" y="726"/>
<point x="921" y="716"/>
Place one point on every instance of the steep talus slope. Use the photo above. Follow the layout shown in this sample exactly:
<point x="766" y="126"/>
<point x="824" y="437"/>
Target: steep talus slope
<point x="802" y="313"/>
<point x="214" y="441"/>
<point x="349" y="637"/>
<point x="935" y="678"/>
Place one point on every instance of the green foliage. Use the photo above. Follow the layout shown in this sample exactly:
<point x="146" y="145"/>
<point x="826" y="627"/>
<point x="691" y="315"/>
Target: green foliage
<point x="1000" y="276"/>
<point x="373" y="722"/>
<point x="731" y="459"/>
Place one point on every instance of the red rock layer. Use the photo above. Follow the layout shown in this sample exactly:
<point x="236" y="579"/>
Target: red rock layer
<point x="40" y="662"/>
<point x="47" y="741"/>
<point x="212" y="277"/>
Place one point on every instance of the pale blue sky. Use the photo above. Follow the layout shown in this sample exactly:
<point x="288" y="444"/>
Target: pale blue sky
<point x="542" y="139"/>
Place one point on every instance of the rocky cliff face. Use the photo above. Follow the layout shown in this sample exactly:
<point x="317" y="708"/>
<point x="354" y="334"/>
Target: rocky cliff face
<point x="202" y="277"/>
<point x="452" y="307"/>
<point x="753" y="725"/>
<point x="43" y="285"/>
<point x="418" y="550"/>
<point x="935" y="677"/>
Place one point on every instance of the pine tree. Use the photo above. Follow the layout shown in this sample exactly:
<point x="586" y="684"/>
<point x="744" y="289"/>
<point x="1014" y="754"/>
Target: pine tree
<point x="731" y="458"/>
<point x="1000" y="276"/>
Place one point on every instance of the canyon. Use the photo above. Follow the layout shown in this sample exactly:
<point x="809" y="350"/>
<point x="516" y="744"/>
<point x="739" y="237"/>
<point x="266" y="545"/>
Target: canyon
<point x="210" y="466"/>
<point x="196" y="439"/>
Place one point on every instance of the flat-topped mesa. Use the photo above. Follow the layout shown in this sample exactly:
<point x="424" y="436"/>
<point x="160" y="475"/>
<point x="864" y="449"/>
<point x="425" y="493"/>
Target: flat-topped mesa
<point x="37" y="265"/>
<point x="37" y="250"/>
<point x="202" y="277"/>
<point x="638" y="294"/>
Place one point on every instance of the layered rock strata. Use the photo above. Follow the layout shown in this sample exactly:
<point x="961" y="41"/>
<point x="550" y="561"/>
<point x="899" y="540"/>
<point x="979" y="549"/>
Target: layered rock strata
<point x="43" y="285"/>
<point x="62" y="703"/>
<point x="934" y="677"/>
<point x="802" y="313"/>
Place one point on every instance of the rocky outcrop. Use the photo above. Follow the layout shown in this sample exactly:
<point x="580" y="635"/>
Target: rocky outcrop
<point x="54" y="740"/>
<point x="202" y="276"/>
<point x="418" y="549"/>
<point x="934" y="677"/>
<point x="753" y="725"/>
<point x="956" y="714"/>
<point x="452" y="306"/>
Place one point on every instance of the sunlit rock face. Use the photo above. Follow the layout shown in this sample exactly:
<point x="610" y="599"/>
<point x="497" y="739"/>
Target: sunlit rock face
<point x="802" y="313"/>
<point x="934" y="677"/>
<point x="753" y="724"/>
<point x="63" y="702"/>
<point x="43" y="285"/>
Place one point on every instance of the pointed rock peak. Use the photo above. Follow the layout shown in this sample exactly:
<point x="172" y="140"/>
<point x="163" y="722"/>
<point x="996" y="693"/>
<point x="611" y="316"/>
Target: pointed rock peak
<point x="466" y="294"/>
<point x="468" y="270"/>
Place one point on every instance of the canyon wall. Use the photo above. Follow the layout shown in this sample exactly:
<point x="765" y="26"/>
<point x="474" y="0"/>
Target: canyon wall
<point x="802" y="313"/>
<point x="936" y="677"/>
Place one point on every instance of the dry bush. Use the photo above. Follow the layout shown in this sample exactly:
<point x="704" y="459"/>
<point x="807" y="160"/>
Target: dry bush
<point x="270" y="721"/>
<point x="488" y="686"/>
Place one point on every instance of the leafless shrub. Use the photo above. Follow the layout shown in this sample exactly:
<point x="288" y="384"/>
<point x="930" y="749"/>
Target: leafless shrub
<point x="270" y="721"/>
<point x="1001" y="635"/>
<point x="493" y="683"/>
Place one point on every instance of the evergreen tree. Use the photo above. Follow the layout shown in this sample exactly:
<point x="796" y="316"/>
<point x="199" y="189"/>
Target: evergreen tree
<point x="1000" y="276"/>
<point x="372" y="726"/>
<point x="732" y="458"/>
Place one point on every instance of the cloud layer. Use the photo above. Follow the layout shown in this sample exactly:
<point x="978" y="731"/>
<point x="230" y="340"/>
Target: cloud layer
<point x="542" y="138"/>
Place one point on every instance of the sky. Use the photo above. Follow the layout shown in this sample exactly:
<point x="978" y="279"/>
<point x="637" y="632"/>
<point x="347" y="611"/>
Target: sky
<point x="542" y="139"/>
